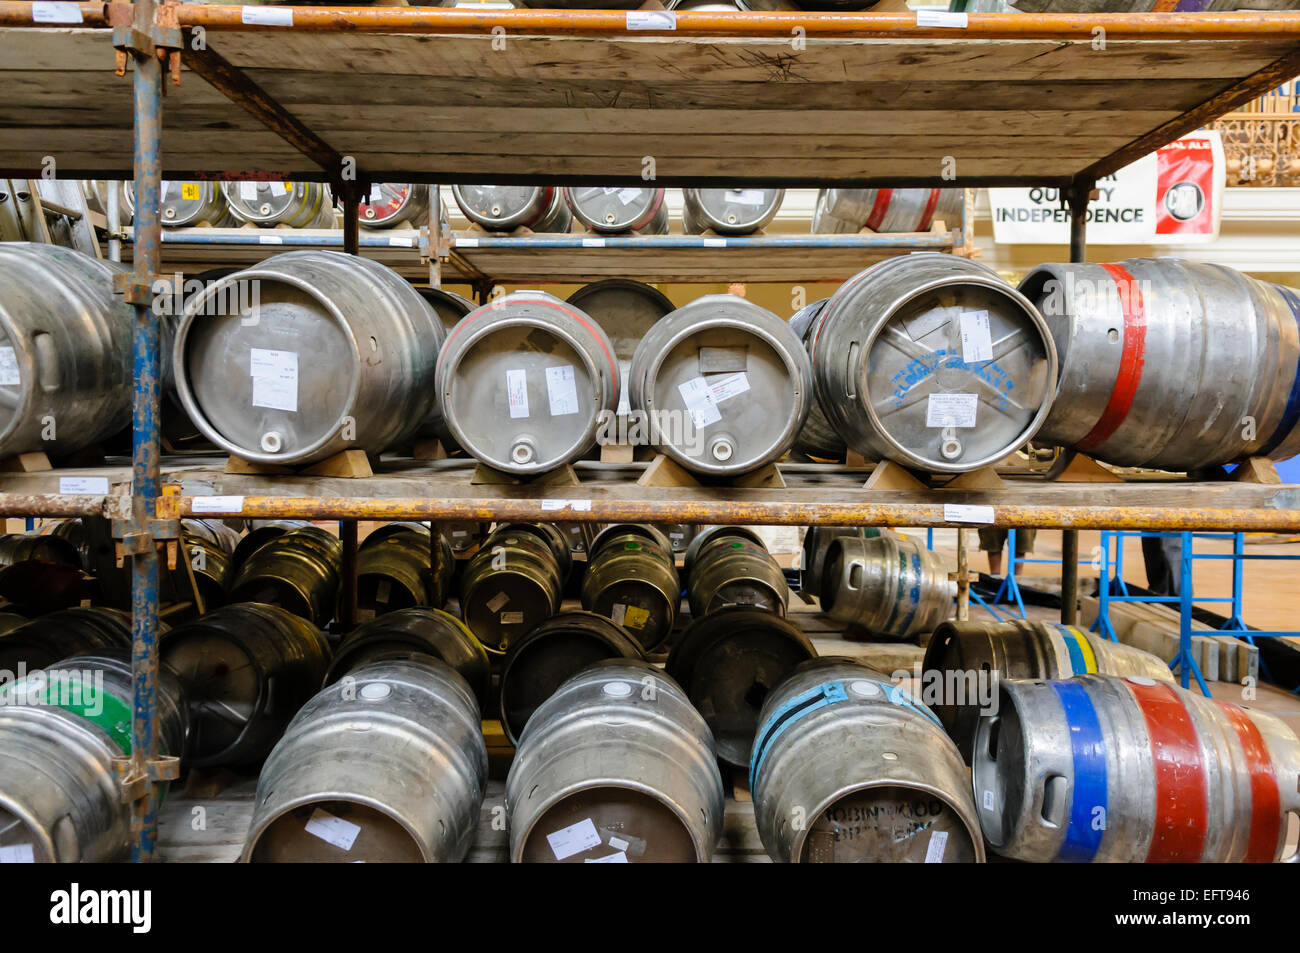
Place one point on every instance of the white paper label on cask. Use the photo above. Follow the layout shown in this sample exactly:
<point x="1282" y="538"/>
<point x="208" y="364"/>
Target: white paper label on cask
<point x="574" y="839"/>
<point x="517" y="393"/>
<point x="628" y="196"/>
<point x="9" y="376"/>
<point x="616" y="858"/>
<point x="729" y="386"/>
<point x="17" y="854"/>
<point x="988" y="800"/>
<point x="512" y="618"/>
<point x="751" y="197"/>
<point x="333" y="830"/>
<point x="934" y="852"/>
<point x="562" y="390"/>
<point x="951" y="410"/>
<point x="976" y="338"/>
<point x="275" y="378"/>
<point x="496" y="602"/>
<point x="700" y="404"/>
<point x="248" y="191"/>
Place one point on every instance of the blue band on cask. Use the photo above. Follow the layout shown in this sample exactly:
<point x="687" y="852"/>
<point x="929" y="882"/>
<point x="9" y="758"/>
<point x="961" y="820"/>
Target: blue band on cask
<point x="1083" y="835"/>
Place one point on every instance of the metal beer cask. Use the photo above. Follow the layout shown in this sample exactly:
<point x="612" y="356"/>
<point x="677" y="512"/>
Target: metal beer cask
<point x="865" y="765"/>
<point x="184" y="204"/>
<point x="503" y="208"/>
<point x="729" y="211"/>
<point x="724" y="383"/>
<point x="390" y="204"/>
<point x="615" y="762"/>
<point x="65" y="350"/>
<point x="549" y="655"/>
<point x="388" y="768"/>
<point x="1171" y="364"/>
<point x="414" y="634"/>
<point x="886" y="210"/>
<point x="817" y="543"/>
<point x="268" y="204"/>
<point x="894" y="587"/>
<point x="961" y="651"/>
<point x="514" y="582"/>
<point x="729" y="565"/>
<point x="394" y="570"/>
<point x="816" y="438"/>
<point x="56" y="635"/>
<point x="247" y="669"/>
<point x="619" y="210"/>
<point x="632" y="579"/>
<point x="727" y="662"/>
<point x="298" y="571"/>
<point x="338" y="353"/>
<point x="891" y="370"/>
<point x="524" y="382"/>
<point x="1099" y="768"/>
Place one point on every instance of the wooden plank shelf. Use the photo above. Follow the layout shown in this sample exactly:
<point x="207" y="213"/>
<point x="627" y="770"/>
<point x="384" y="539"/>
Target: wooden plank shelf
<point x="814" y="494"/>
<point x="576" y="258"/>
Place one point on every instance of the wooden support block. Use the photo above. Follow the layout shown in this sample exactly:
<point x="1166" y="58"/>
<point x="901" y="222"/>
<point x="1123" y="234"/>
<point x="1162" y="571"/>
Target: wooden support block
<point x="617" y="453"/>
<point x="889" y="475"/>
<point x="429" y="450"/>
<point x="1257" y="470"/>
<point x="27" y="463"/>
<point x="854" y="459"/>
<point x="350" y="464"/>
<point x="240" y="465"/>
<point x="485" y="475"/>
<point x="985" y="478"/>
<point x="939" y="227"/>
<point x="740" y="787"/>
<point x="1081" y="468"/>
<point x="665" y="471"/>
<point x="768" y="477"/>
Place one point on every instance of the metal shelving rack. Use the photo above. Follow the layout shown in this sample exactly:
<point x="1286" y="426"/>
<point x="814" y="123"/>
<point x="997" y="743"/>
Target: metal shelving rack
<point x="433" y="95"/>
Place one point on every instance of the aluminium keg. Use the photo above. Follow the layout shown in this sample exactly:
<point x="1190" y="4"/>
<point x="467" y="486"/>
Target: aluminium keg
<point x="728" y="662"/>
<point x="415" y="633"/>
<point x="305" y="355"/>
<point x="54" y="636"/>
<point x="619" y="210"/>
<point x="247" y="668"/>
<point x="259" y="533"/>
<point x="730" y="565"/>
<point x="632" y="579"/>
<point x="550" y="655"/>
<point x="395" y="570"/>
<point x="816" y="438"/>
<point x="729" y="211"/>
<point x="615" y="767"/>
<point x="849" y="768"/>
<point x="298" y="571"/>
<point x="816" y="543"/>
<point x="1102" y="768"/>
<point x="891" y="586"/>
<point x="206" y="558"/>
<point x="503" y="208"/>
<point x="65" y="350"/>
<point x="887" y="210"/>
<point x="390" y="204"/>
<point x="933" y="361"/>
<point x="1171" y="364"/>
<point x="267" y="204"/>
<point x="449" y="306"/>
<point x="965" y="660"/>
<point x="184" y="204"/>
<point x="525" y="382"/>
<point x="97" y="191"/>
<point x="390" y="767"/>
<point x="514" y="582"/>
<point x="680" y="535"/>
<point x="18" y="548"/>
<point x="724" y="384"/>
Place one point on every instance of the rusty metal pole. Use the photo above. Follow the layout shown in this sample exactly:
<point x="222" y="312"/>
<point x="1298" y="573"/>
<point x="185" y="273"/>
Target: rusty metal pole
<point x="963" y="577"/>
<point x="1079" y="194"/>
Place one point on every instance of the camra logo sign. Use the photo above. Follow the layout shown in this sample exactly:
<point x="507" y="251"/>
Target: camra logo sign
<point x="74" y="906"/>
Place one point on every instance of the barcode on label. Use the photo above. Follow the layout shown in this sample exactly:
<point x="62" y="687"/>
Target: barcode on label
<point x="934" y="852"/>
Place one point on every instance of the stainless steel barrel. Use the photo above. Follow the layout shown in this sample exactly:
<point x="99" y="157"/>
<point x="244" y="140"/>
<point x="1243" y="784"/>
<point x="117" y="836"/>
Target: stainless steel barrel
<point x="204" y="557"/>
<point x="415" y="634"/>
<point x="549" y="655"/>
<point x="389" y="204"/>
<point x="816" y="543"/>
<point x="298" y="571"/>
<point x="1171" y="364"/>
<point x="389" y="767"/>
<point x="247" y="669"/>
<point x="35" y="547"/>
<point x="96" y="192"/>
<point x="615" y="767"/>
<point x="60" y="732"/>
<point x="729" y="211"/>
<point x="887" y="210"/>
<point x="449" y="306"/>
<point x="56" y="635"/>
<point x="503" y="208"/>
<point x="65" y="350"/>
<point x="185" y="204"/>
<point x="891" y="586"/>
<point x="724" y="385"/>
<point x="307" y="354"/>
<point x="619" y="210"/>
<point x="268" y="204"/>
<point x="395" y="570"/>
<point x="729" y="565"/>
<point x="1100" y="768"/>
<point x="513" y="582"/>
<point x="816" y="438"/>
<point x="524" y="382"/>
<point x="632" y="579"/>
<point x="727" y="662"/>
<point x="680" y="535"/>
<point x="260" y="532"/>
<point x="933" y="361"/>
<point x="848" y="768"/>
<point x="965" y="660"/>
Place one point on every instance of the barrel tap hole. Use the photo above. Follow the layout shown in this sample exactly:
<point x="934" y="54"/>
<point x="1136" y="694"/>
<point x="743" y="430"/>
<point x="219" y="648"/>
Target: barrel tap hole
<point x="1113" y="335"/>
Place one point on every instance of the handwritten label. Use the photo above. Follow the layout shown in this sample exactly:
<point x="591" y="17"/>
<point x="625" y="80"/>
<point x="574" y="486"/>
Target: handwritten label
<point x="593" y="243"/>
<point x="942" y="18"/>
<point x="934" y="851"/>
<point x="574" y="839"/>
<point x="91" y="486"/>
<point x="266" y="16"/>
<point x="967" y="513"/>
<point x="700" y="403"/>
<point x="17" y="854"/>
<point x="275" y="378"/>
<point x="216" y="504"/>
<point x="48" y="12"/>
<point x="562" y="390"/>
<point x="729" y="386"/>
<point x="976" y="338"/>
<point x="333" y="830"/>
<point x="9" y="376"/>
<point x="618" y="858"/>
<point x="651" y="20"/>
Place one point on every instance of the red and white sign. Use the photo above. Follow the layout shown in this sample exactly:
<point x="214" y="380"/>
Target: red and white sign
<point x="1186" y="190"/>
